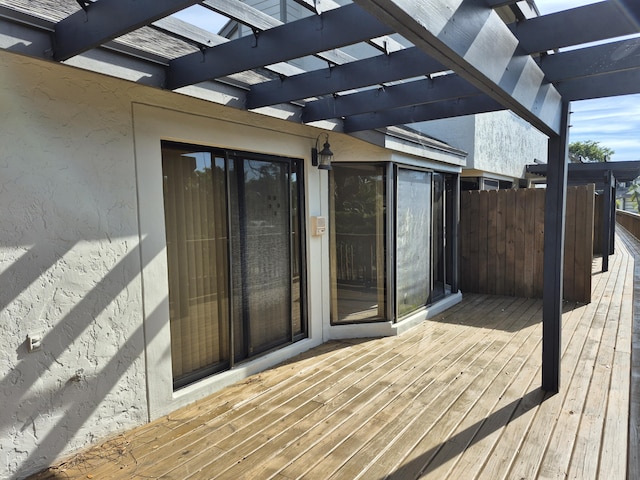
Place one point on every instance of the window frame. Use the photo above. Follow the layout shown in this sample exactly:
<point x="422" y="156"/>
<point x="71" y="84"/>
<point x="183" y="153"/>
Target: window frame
<point x="390" y="242"/>
<point x="293" y="165"/>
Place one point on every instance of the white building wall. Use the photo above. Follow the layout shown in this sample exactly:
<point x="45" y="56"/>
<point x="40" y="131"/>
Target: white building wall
<point x="82" y="261"/>
<point x="498" y="143"/>
<point x="458" y="131"/>
<point x="505" y="144"/>
<point x="69" y="264"/>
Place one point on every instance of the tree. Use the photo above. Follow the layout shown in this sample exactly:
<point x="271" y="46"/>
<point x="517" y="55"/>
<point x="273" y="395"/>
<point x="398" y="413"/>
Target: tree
<point x="634" y="190"/>
<point x="591" y="151"/>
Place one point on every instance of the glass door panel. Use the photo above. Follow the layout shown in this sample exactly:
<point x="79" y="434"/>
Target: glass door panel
<point x="413" y="246"/>
<point x="357" y="215"/>
<point x="196" y="229"/>
<point x="261" y="255"/>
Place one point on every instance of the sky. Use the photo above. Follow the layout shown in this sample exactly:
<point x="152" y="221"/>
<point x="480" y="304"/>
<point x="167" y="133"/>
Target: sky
<point x="613" y="122"/>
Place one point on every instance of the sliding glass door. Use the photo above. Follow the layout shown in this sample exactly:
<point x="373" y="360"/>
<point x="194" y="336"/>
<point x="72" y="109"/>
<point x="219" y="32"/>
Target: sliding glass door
<point x="410" y="222"/>
<point x="235" y="257"/>
<point x="261" y="249"/>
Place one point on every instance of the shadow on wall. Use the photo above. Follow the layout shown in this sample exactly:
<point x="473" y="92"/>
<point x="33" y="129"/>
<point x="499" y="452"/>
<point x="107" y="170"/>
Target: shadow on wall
<point x="86" y="379"/>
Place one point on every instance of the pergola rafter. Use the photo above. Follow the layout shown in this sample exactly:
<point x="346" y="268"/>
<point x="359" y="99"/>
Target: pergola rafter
<point x="418" y="92"/>
<point x="406" y="63"/>
<point x="577" y="26"/>
<point x="102" y="21"/>
<point x="333" y="29"/>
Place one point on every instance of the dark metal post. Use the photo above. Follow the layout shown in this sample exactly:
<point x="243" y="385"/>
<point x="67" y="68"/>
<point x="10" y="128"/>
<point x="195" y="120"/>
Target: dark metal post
<point x="554" y="222"/>
<point x="455" y="234"/>
<point x="612" y="233"/>
<point x="606" y="221"/>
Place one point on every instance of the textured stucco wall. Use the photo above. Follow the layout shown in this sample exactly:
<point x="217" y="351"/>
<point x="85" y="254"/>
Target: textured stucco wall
<point x="498" y="143"/>
<point x="69" y="265"/>
<point x="505" y="144"/>
<point x="458" y="132"/>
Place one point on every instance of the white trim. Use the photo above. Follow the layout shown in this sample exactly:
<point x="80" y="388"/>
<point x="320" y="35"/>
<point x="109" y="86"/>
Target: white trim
<point x="386" y="329"/>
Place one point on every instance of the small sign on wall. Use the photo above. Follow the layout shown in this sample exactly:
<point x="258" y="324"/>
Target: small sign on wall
<point x="318" y="226"/>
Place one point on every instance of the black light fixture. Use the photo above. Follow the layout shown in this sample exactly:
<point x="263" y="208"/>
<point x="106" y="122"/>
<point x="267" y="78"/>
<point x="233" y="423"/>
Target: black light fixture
<point x="322" y="159"/>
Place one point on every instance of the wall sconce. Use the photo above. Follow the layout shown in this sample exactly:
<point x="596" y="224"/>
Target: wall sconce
<point x="322" y="159"/>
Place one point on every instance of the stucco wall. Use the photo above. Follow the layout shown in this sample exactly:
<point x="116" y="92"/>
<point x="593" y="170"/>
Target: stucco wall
<point x="82" y="263"/>
<point x="504" y="144"/>
<point x="498" y="143"/>
<point x="69" y="264"/>
<point x="457" y="131"/>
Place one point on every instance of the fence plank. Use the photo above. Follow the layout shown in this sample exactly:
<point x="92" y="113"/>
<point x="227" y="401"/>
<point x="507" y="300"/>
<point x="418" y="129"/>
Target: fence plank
<point x="483" y="218"/>
<point x="569" y="244"/>
<point x="501" y="239"/>
<point x="539" y="243"/>
<point x="510" y="257"/>
<point x="492" y="241"/>
<point x="520" y="220"/>
<point x="529" y="241"/>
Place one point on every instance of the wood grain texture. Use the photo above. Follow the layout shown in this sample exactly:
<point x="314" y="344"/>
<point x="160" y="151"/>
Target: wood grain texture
<point x="502" y="242"/>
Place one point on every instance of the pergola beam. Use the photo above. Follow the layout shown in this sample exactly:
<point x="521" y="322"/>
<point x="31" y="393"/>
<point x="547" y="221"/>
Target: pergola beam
<point x="591" y="61"/>
<point x="446" y="87"/>
<point x="576" y="26"/>
<point x="103" y="21"/>
<point x="333" y="29"/>
<point x="422" y="113"/>
<point x="407" y="63"/>
<point x="471" y="39"/>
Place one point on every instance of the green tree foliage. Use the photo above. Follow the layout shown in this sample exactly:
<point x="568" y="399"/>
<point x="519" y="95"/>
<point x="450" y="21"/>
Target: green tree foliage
<point x="634" y="190"/>
<point x="591" y="151"/>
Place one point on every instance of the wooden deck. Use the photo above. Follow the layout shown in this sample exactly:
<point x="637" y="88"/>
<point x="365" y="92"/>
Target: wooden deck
<point x="457" y="397"/>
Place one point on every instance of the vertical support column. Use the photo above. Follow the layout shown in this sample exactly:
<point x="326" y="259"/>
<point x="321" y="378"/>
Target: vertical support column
<point x="554" y="222"/>
<point x="606" y="221"/>
<point x="455" y="280"/>
<point x="612" y="233"/>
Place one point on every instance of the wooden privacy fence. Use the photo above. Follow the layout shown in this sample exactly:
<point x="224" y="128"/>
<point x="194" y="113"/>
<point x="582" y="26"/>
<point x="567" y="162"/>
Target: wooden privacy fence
<point x="502" y="242"/>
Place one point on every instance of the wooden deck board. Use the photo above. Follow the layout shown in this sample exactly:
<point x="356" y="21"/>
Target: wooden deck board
<point x="456" y="397"/>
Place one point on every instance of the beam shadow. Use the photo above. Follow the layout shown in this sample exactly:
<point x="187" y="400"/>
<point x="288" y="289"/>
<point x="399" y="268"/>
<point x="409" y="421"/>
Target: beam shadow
<point x="83" y="393"/>
<point x="77" y="412"/>
<point x="434" y="458"/>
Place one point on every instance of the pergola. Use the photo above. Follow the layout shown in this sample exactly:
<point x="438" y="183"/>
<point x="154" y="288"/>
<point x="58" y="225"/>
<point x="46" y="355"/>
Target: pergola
<point x="428" y="59"/>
